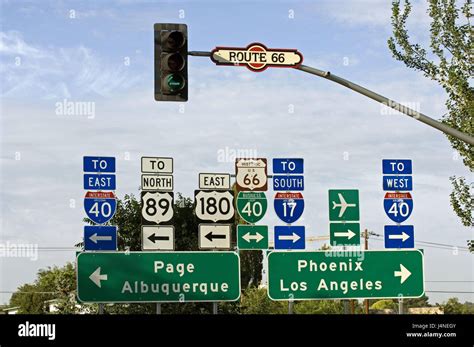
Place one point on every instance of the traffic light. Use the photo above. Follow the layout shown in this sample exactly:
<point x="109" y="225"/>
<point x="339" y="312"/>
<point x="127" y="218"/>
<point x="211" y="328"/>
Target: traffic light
<point x="171" y="62"/>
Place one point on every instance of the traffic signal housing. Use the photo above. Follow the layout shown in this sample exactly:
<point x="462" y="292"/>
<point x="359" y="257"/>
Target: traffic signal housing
<point x="171" y="62"/>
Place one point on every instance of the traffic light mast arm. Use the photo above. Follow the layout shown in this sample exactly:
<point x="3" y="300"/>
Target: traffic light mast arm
<point x="390" y="103"/>
<point x="377" y="97"/>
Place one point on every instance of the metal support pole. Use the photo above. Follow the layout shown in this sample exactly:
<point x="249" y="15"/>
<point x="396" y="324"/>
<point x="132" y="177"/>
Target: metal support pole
<point x="390" y="103"/>
<point x="377" y="97"/>
<point x="366" y="247"/>
<point x="346" y="307"/>
<point x="215" y="308"/>
<point x="400" y="306"/>
<point x="291" y="306"/>
<point x="101" y="308"/>
<point x="158" y="308"/>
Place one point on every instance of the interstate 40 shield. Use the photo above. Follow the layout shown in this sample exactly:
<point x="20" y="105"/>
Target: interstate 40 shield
<point x="398" y="206"/>
<point x="100" y="206"/>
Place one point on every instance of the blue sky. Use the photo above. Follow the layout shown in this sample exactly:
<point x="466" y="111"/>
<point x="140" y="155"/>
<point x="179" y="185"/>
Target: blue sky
<point x="46" y="56"/>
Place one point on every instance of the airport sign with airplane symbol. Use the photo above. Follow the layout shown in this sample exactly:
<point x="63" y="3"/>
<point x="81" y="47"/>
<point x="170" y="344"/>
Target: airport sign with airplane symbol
<point x="343" y="205"/>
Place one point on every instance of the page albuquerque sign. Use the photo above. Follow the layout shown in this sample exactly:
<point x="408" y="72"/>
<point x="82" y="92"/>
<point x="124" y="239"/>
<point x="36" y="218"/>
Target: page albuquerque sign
<point x="158" y="276"/>
<point x="256" y="57"/>
<point x="328" y="275"/>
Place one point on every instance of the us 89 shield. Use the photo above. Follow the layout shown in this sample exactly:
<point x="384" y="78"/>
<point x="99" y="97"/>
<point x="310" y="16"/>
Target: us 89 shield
<point x="157" y="207"/>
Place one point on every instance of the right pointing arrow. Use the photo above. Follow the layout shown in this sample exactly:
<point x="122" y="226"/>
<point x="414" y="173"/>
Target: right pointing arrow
<point x="403" y="273"/>
<point x="349" y="234"/>
<point x="96" y="277"/>
<point x="257" y="237"/>
<point x="295" y="237"/>
<point x="404" y="236"/>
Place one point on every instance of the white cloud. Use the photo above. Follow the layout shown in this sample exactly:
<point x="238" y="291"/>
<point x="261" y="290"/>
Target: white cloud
<point x="370" y="13"/>
<point x="56" y="73"/>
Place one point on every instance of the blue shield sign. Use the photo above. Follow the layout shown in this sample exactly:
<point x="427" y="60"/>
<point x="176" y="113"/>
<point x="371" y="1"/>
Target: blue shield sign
<point x="100" y="238"/>
<point x="288" y="166"/>
<point x="397" y="183"/>
<point x="100" y="206"/>
<point x="398" y="206"/>
<point x="288" y="183"/>
<point x="99" y="182"/>
<point x="99" y="164"/>
<point x="289" y="237"/>
<point x="396" y="167"/>
<point x="399" y="236"/>
<point x="289" y="206"/>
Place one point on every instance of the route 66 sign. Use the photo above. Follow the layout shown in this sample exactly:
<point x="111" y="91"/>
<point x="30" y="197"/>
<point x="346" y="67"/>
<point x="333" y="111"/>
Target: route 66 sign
<point x="251" y="174"/>
<point x="214" y="206"/>
<point x="157" y="207"/>
<point x="289" y="206"/>
<point x="100" y="206"/>
<point x="398" y="206"/>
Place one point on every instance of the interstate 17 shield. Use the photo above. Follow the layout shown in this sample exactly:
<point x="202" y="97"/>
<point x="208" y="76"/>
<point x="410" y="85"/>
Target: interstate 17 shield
<point x="289" y="206"/>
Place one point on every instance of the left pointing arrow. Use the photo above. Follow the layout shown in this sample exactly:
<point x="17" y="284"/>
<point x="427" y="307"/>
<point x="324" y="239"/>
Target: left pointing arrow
<point x="96" y="277"/>
<point x="154" y="238"/>
<point x="210" y="236"/>
<point x="94" y="238"/>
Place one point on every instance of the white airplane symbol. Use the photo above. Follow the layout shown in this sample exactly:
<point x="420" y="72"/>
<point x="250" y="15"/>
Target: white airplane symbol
<point x="342" y="204"/>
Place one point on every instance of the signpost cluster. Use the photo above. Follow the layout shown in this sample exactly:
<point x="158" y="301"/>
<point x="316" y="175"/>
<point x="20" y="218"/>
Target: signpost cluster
<point x="214" y="210"/>
<point x="344" y="216"/>
<point x="251" y="183"/>
<point x="100" y="203"/>
<point x="288" y="182"/>
<point x="398" y="202"/>
<point x="160" y="274"/>
<point x="157" y="204"/>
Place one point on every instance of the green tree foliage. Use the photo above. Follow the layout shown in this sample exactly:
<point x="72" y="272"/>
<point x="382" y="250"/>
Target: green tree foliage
<point x="256" y="301"/>
<point x="320" y="307"/>
<point x="449" y="62"/>
<point x="453" y="306"/>
<point x="462" y="200"/>
<point x="383" y="305"/>
<point x="58" y="283"/>
<point x="417" y="302"/>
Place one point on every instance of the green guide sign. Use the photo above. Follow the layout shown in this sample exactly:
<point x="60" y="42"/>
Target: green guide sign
<point x="158" y="276"/>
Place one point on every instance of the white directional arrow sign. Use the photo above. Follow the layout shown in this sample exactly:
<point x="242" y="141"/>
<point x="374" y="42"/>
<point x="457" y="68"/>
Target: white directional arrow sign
<point x="294" y="237"/>
<point x="403" y="273"/>
<point x="94" y="238"/>
<point x="349" y="234"/>
<point x="96" y="277"/>
<point x="214" y="236"/>
<point x="252" y="237"/>
<point x="257" y="237"/>
<point x="404" y="236"/>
